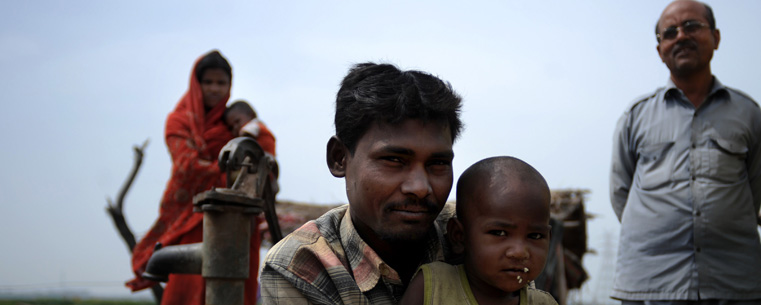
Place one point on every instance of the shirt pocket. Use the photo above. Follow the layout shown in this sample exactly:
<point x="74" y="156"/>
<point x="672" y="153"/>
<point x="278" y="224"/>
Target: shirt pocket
<point x="653" y="166"/>
<point x="726" y="160"/>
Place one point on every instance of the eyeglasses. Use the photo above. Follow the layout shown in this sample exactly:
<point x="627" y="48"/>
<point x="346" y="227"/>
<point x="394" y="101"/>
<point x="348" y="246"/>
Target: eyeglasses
<point x="688" y="28"/>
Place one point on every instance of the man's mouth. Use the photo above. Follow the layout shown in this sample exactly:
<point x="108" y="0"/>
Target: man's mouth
<point x="413" y="206"/>
<point x="415" y="214"/>
<point x="411" y="209"/>
<point x="683" y="51"/>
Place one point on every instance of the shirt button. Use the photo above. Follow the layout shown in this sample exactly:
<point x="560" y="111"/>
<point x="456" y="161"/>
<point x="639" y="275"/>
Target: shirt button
<point x="693" y="146"/>
<point x="693" y="178"/>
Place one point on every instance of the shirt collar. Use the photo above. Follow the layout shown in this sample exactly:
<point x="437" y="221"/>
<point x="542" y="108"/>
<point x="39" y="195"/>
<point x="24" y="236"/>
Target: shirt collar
<point x="366" y="266"/>
<point x="715" y="88"/>
<point x="365" y="263"/>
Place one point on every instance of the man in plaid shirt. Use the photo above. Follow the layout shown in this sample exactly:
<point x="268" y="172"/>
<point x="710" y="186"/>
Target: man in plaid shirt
<point x="393" y="146"/>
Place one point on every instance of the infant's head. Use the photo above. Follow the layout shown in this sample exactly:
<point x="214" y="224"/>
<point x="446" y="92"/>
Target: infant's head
<point x="503" y="223"/>
<point x="238" y="114"/>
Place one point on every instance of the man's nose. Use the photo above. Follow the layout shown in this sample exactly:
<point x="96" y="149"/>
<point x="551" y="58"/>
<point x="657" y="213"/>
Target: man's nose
<point x="417" y="183"/>
<point x="681" y="34"/>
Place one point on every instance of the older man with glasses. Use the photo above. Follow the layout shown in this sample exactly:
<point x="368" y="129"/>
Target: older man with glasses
<point x="686" y="178"/>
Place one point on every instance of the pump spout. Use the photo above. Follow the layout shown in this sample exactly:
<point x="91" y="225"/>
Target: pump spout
<point x="184" y="259"/>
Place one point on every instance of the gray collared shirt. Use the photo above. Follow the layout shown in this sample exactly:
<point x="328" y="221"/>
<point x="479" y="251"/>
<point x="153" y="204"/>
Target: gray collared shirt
<point x="686" y="185"/>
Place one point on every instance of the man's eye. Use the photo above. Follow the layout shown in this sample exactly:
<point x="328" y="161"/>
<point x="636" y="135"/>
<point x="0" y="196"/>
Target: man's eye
<point x="440" y="162"/>
<point x="670" y="32"/>
<point x="536" y="236"/>
<point x="498" y="232"/>
<point x="392" y="159"/>
<point x="691" y="26"/>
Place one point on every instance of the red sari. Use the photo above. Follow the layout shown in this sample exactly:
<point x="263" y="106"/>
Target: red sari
<point x="194" y="138"/>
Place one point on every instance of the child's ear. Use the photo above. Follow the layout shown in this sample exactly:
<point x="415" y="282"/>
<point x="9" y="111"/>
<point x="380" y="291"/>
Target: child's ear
<point x="456" y="235"/>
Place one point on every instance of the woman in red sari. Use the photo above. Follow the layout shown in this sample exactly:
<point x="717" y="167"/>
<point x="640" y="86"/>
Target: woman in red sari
<point x="195" y="133"/>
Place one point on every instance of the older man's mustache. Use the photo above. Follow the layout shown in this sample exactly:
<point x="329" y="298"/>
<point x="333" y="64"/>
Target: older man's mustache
<point x="684" y="45"/>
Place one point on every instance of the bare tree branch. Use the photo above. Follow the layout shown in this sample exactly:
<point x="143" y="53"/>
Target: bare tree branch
<point x="115" y="210"/>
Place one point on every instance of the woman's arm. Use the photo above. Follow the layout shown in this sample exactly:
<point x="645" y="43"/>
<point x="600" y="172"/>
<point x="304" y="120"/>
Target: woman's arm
<point x="189" y="160"/>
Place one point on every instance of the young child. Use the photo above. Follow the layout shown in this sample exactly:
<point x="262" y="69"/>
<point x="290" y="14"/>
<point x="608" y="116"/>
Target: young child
<point x="503" y="227"/>
<point x="242" y="121"/>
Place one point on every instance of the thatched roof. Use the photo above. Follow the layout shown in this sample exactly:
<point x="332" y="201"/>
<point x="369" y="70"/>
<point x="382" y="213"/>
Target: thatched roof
<point x="567" y="206"/>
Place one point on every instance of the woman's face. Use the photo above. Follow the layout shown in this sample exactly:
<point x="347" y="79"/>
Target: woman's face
<point x="215" y="85"/>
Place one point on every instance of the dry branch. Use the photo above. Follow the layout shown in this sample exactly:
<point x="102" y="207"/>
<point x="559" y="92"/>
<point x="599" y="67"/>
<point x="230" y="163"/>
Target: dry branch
<point x="115" y="210"/>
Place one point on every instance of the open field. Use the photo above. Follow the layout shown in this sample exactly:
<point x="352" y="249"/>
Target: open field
<point x="73" y="302"/>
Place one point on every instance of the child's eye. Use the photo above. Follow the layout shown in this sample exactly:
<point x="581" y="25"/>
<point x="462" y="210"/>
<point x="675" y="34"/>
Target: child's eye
<point x="536" y="236"/>
<point x="498" y="232"/>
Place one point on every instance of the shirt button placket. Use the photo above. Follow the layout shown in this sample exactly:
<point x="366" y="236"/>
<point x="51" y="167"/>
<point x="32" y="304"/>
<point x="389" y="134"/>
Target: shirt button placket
<point x="694" y="156"/>
<point x="695" y="159"/>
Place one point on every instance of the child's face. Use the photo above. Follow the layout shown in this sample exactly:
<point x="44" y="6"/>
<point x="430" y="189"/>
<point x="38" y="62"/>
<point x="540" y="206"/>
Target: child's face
<point x="235" y="120"/>
<point x="507" y="236"/>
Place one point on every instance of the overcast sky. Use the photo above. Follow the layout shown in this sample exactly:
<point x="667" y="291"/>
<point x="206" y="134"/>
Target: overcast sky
<point x="84" y="81"/>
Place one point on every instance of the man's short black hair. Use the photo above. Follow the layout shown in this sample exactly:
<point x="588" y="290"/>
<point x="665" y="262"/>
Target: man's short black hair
<point x="504" y="168"/>
<point x="213" y="60"/>
<point x="709" y="17"/>
<point x="241" y="106"/>
<point x="381" y="93"/>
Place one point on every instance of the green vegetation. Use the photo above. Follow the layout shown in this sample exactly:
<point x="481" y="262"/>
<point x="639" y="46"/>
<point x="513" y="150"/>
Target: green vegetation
<point x="74" y="302"/>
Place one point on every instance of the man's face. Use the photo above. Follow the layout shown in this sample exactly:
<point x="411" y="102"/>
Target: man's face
<point x="507" y="235"/>
<point x="215" y="85"/>
<point x="686" y="54"/>
<point x="398" y="179"/>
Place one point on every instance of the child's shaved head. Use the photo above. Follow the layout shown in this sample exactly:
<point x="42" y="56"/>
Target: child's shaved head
<point x="496" y="172"/>
<point x="502" y="224"/>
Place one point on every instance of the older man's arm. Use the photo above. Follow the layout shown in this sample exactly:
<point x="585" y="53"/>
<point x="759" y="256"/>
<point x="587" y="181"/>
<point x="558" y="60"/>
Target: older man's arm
<point x="754" y="165"/>
<point x="622" y="166"/>
<point x="277" y="290"/>
<point x="754" y="177"/>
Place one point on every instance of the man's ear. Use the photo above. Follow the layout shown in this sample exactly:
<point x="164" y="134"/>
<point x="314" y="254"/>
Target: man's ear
<point x="456" y="235"/>
<point x="716" y="39"/>
<point x="658" y="49"/>
<point x="336" y="157"/>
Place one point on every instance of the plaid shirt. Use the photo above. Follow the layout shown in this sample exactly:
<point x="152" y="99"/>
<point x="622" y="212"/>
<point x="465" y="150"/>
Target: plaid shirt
<point x="326" y="262"/>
